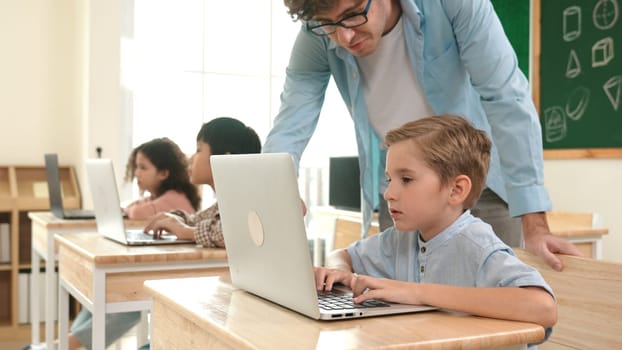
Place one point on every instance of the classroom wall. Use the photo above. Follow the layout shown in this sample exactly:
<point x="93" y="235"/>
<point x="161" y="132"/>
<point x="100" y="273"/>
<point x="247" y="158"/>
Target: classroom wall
<point x="38" y="86"/>
<point x="60" y="91"/>
<point x="60" y="83"/>
<point x="590" y="185"/>
<point x="103" y="99"/>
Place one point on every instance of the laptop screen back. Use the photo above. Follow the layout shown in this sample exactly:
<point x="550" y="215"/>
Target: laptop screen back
<point x="105" y="199"/>
<point x="54" y="188"/>
<point x="263" y="228"/>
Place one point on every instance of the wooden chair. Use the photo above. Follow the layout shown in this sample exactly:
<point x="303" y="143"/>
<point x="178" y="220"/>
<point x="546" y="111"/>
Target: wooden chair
<point x="585" y="230"/>
<point x="348" y="231"/>
<point x="589" y="300"/>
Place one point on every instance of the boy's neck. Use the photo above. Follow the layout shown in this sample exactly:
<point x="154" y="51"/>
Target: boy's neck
<point x="449" y="219"/>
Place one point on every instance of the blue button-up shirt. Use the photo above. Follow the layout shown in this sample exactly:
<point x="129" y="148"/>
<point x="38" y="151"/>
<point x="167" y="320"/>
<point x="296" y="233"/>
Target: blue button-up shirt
<point x="466" y="254"/>
<point x="466" y="66"/>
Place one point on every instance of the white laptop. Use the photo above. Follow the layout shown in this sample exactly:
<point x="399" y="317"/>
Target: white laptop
<point x="264" y="232"/>
<point x="108" y="213"/>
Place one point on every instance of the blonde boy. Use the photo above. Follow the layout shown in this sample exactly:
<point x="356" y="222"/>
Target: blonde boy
<point x="437" y="253"/>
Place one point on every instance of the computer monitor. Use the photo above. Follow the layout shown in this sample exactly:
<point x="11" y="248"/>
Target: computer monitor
<point x="344" y="189"/>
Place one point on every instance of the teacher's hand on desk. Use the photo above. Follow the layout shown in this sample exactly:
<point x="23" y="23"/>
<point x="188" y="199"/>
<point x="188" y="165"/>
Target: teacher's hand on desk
<point x="540" y="241"/>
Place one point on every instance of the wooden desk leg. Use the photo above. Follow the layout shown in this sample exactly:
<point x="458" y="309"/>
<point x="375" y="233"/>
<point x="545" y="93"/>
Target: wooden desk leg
<point x="63" y="316"/>
<point x="99" y="310"/>
<point x="34" y="297"/>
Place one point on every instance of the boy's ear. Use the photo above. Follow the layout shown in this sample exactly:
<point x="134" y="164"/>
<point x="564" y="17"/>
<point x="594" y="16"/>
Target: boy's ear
<point x="461" y="187"/>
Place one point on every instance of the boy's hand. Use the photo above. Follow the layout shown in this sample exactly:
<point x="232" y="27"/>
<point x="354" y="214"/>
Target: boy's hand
<point x="325" y="278"/>
<point x="367" y="287"/>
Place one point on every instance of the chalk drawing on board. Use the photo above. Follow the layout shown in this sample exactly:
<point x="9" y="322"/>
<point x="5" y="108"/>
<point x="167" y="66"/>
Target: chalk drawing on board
<point x="554" y="124"/>
<point x="602" y="52"/>
<point x="606" y="13"/>
<point x="577" y="102"/>
<point x="613" y="90"/>
<point x="572" y="23"/>
<point x="573" y="68"/>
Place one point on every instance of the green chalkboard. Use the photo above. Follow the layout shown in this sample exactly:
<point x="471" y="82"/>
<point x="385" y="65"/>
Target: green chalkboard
<point x="581" y="74"/>
<point x="515" y="19"/>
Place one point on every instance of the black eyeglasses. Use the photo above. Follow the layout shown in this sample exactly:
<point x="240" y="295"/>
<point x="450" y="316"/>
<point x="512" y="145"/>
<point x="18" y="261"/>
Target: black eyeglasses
<point x="356" y="20"/>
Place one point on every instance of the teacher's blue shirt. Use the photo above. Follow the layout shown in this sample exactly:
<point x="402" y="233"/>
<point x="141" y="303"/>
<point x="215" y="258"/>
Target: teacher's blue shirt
<point x="466" y="66"/>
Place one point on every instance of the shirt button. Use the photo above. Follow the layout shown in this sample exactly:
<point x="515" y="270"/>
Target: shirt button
<point x="423" y="249"/>
<point x="422" y="269"/>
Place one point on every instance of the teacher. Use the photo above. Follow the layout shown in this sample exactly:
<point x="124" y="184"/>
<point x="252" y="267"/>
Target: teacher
<point x="394" y="61"/>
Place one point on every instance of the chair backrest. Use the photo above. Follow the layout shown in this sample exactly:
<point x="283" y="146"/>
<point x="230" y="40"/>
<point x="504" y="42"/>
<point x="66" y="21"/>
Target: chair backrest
<point x="585" y="230"/>
<point x="573" y="221"/>
<point x="348" y="231"/>
<point x="589" y="300"/>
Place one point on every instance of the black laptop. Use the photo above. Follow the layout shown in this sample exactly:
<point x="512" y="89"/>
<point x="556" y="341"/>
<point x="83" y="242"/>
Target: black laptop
<point x="55" y="193"/>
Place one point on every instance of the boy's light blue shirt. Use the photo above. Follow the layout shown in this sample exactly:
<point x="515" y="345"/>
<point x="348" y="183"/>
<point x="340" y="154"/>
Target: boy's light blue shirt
<point x="466" y="66"/>
<point x="466" y="254"/>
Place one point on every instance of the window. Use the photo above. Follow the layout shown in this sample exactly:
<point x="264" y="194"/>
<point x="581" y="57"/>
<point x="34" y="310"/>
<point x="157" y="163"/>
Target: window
<point x="187" y="62"/>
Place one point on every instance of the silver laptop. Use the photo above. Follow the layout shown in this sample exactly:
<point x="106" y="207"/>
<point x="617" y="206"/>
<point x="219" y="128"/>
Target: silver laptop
<point x="55" y="193"/>
<point x="108" y="213"/>
<point x="264" y="232"/>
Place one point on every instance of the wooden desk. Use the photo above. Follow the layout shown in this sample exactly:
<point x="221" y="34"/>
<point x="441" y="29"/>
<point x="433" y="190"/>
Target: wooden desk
<point x="209" y="313"/>
<point x="588" y="302"/>
<point x="44" y="226"/>
<point x="107" y="277"/>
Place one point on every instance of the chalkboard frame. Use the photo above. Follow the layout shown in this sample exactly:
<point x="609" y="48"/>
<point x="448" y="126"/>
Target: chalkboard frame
<point x="535" y="83"/>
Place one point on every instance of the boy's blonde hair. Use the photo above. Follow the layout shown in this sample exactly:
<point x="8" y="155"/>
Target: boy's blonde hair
<point x="451" y="146"/>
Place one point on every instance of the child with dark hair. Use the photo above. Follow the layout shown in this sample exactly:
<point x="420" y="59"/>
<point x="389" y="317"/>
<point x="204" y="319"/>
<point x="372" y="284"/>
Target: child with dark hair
<point x="161" y="170"/>
<point x="219" y="136"/>
<point x="222" y="135"/>
<point x="159" y="177"/>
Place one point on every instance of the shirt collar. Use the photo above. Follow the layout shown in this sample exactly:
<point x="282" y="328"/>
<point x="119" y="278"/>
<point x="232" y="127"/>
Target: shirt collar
<point x="439" y="240"/>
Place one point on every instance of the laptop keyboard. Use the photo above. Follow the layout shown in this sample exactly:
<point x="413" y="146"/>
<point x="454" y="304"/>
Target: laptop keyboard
<point x="138" y="236"/>
<point x="339" y="301"/>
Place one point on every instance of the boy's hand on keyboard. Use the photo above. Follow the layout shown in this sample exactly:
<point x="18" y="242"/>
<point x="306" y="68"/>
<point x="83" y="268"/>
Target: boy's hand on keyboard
<point x="367" y="287"/>
<point x="326" y="278"/>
